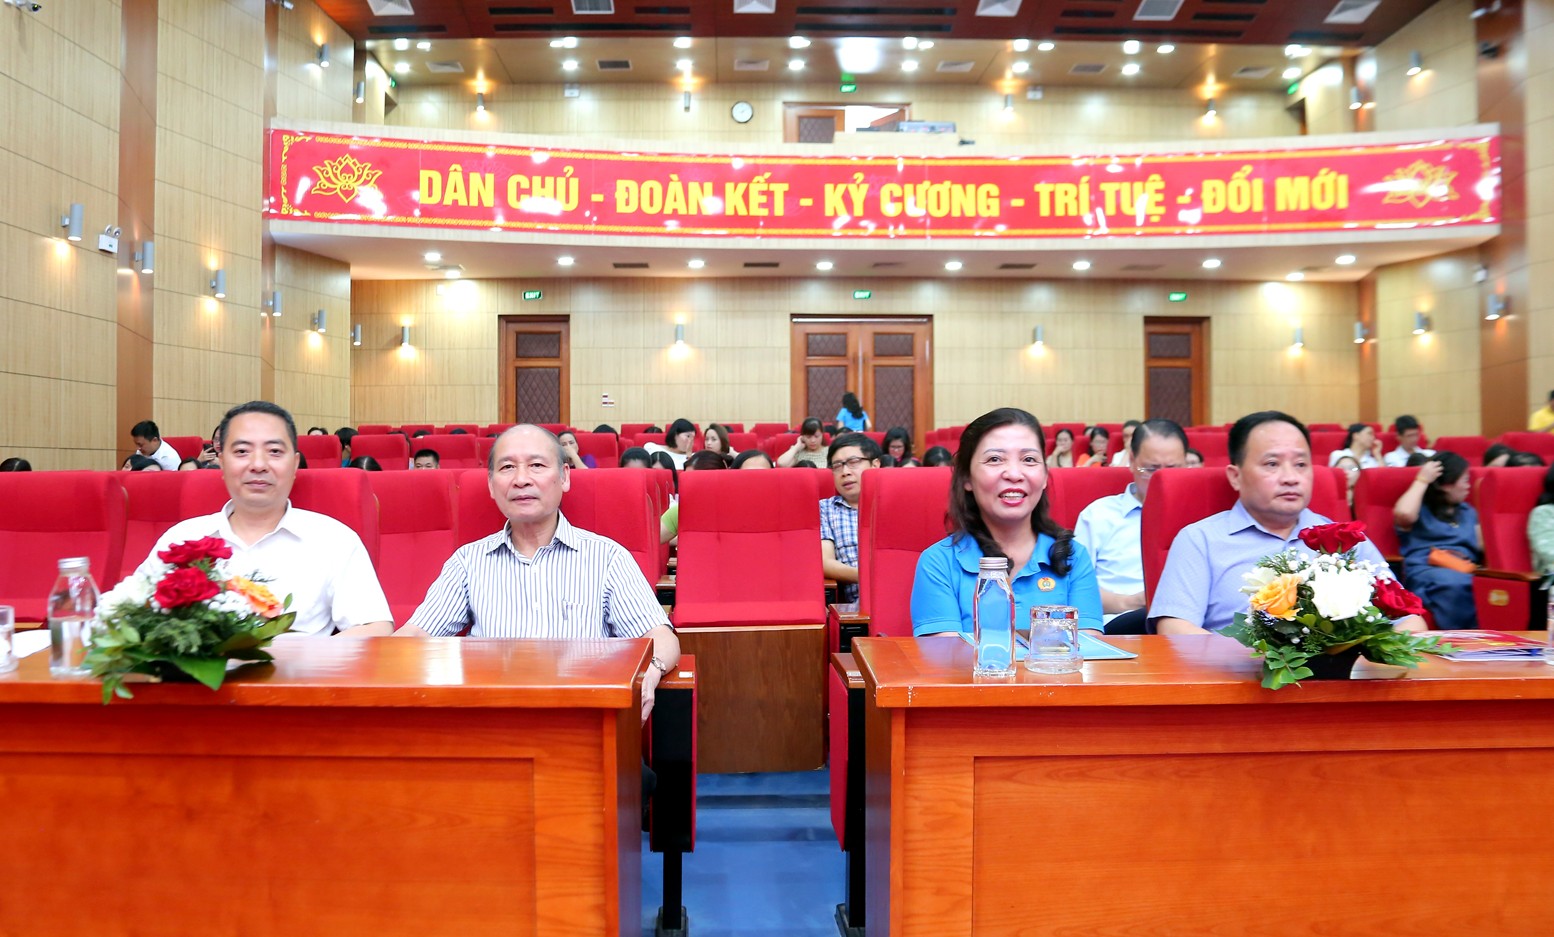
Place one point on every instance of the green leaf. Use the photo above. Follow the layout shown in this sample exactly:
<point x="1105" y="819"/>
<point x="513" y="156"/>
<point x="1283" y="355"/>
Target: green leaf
<point x="209" y="671"/>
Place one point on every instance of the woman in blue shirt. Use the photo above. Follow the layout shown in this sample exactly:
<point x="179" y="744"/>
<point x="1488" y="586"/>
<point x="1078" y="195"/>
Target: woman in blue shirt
<point x="1433" y="514"/>
<point x="998" y="507"/>
<point x="852" y="415"/>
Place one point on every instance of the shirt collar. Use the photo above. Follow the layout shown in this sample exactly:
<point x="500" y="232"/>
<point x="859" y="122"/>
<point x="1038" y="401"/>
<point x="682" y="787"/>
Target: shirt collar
<point x="1130" y="501"/>
<point x="566" y="535"/>
<point x="288" y="523"/>
<point x="970" y="555"/>
<point x="837" y="500"/>
<point x="1241" y="520"/>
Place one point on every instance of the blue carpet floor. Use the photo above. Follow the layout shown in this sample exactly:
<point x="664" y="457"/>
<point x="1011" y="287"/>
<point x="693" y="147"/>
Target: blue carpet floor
<point x="766" y="860"/>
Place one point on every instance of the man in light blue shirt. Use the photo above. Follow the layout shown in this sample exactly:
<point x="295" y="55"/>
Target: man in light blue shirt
<point x="1270" y="466"/>
<point x="1110" y="527"/>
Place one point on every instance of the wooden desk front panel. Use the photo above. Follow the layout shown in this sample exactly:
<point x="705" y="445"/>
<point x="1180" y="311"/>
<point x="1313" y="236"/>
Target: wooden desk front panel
<point x="268" y="821"/>
<point x="1284" y="821"/>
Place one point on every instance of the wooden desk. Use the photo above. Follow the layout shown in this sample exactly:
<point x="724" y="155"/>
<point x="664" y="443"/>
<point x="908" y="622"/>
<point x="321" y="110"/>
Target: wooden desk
<point x="357" y="787"/>
<point x="1172" y="795"/>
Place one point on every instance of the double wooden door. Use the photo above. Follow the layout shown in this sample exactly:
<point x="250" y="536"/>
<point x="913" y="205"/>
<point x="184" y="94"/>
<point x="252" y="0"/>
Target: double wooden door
<point x="886" y="361"/>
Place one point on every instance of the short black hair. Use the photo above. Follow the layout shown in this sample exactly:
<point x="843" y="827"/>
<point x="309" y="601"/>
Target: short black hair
<point x="1496" y="450"/>
<point x="366" y="463"/>
<point x="1133" y="423"/>
<point x="809" y="427"/>
<point x="140" y="463"/>
<point x="1169" y="429"/>
<point x="420" y="453"/>
<point x="1404" y="423"/>
<point x="145" y="429"/>
<point x="345" y="434"/>
<point x="605" y="428"/>
<point x="422" y="432"/>
<point x="1242" y="429"/>
<point x="747" y="455"/>
<point x="15" y="464"/>
<point x="704" y="459"/>
<point x="636" y="454"/>
<point x="1524" y="460"/>
<point x="260" y="406"/>
<point x="867" y="446"/>
<point x="458" y="431"/>
<point x="682" y="425"/>
<point x="938" y="455"/>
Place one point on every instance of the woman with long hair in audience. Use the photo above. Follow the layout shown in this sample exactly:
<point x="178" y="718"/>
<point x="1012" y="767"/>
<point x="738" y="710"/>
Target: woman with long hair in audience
<point x="1062" y="449"/>
<point x="703" y="461"/>
<point x="937" y="456"/>
<point x="1361" y="444"/>
<point x="1438" y="534"/>
<point x="1497" y="455"/>
<point x="852" y="417"/>
<point x="898" y="445"/>
<point x="715" y="439"/>
<point x="1351" y="467"/>
<point x="1097" y="438"/>
<point x="570" y="453"/>
<point x="998" y="506"/>
<point x="679" y="439"/>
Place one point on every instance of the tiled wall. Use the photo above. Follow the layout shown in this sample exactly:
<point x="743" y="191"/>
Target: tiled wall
<point x="1445" y="93"/>
<point x="1434" y="376"/>
<point x="303" y="88"/>
<point x="312" y="369"/>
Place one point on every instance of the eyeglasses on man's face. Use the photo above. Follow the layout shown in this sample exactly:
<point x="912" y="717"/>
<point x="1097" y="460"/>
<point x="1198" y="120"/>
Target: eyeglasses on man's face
<point x="852" y="463"/>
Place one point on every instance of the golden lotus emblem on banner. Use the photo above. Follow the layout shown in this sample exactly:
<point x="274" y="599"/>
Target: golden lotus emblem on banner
<point x="1420" y="183"/>
<point x="344" y="176"/>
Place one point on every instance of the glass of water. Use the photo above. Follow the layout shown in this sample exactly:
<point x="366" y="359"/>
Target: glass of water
<point x="7" y="636"/>
<point x="1054" y="644"/>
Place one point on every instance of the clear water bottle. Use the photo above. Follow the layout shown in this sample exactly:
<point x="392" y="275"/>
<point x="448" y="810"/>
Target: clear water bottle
<point x="992" y="619"/>
<point x="72" y="617"/>
<point x="1548" y="622"/>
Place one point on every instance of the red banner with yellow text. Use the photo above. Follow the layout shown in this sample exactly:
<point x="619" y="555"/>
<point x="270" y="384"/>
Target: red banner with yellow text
<point x="430" y="184"/>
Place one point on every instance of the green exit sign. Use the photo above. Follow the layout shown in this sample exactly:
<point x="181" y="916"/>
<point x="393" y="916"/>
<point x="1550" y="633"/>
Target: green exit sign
<point x="1177" y="297"/>
<point x="862" y="294"/>
<point x="849" y="83"/>
<point x="536" y="294"/>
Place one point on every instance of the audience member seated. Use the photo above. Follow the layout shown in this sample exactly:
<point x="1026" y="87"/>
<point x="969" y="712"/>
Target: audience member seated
<point x="345" y="434"/>
<point x="1497" y="455"/>
<point x="1109" y="528"/>
<point x="1438" y="533"/>
<point x="1361" y="443"/>
<point x="669" y="523"/>
<point x="1542" y="419"/>
<point x="752" y="459"/>
<point x="998" y="507"/>
<point x="142" y="463"/>
<point x="1098" y="439"/>
<point x="1409" y="433"/>
<point x="850" y="455"/>
<point x="317" y="431"/>
<point x="636" y="457"/>
<point x="898" y="445"/>
<point x="149" y="443"/>
<point x="1540" y="528"/>
<point x="1524" y="460"/>
<point x="188" y="465"/>
<point x="426" y="459"/>
<point x="318" y="561"/>
<point x="209" y="457"/>
<point x="852" y="417"/>
<point x="938" y="455"/>
<point x="570" y="455"/>
<point x="678" y="441"/>
<point x="1062" y="449"/>
<point x="1270" y="468"/>
<point x="715" y="439"/>
<point x="15" y="464"/>
<point x="808" y="449"/>
<point x="1120" y="460"/>
<point x="1351" y="467"/>
<point x="606" y="428"/>
<point x="540" y="577"/>
<point x="364" y="462"/>
<point x="1194" y="459"/>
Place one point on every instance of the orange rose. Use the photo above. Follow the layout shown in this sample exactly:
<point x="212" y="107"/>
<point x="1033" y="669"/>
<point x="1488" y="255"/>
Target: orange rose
<point x="1277" y="598"/>
<point x="260" y="597"/>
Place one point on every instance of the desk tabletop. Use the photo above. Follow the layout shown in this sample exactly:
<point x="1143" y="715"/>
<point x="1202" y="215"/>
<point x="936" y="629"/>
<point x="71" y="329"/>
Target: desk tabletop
<point x="1171" y="670"/>
<point x="387" y="672"/>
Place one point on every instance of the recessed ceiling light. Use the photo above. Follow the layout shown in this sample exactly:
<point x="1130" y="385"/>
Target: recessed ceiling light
<point x="798" y="42"/>
<point x="910" y="65"/>
<point x="952" y="265"/>
<point x="1292" y="73"/>
<point x="823" y="265"/>
<point x="684" y="65"/>
<point x="795" y="65"/>
<point x="569" y="42"/>
<point x="401" y="44"/>
<point x="1296" y="277"/>
<point x="1296" y="51"/>
<point x="401" y="68"/>
<point x="1131" y="47"/>
<point x="1020" y="45"/>
<point x="453" y="273"/>
<point x="1211" y="264"/>
<point x="1021" y="68"/>
<point x="1081" y="265"/>
<point x="433" y="257"/>
<point x="925" y="44"/>
<point x="570" y="65"/>
<point x="1165" y="48"/>
<point x="424" y="46"/>
<point x="696" y="263"/>
<point x="908" y="42"/>
<point x="684" y="42"/>
<point x="1130" y="68"/>
<point x="565" y="261"/>
<point x="1344" y="260"/>
<point x="555" y="43"/>
<point x="1046" y="46"/>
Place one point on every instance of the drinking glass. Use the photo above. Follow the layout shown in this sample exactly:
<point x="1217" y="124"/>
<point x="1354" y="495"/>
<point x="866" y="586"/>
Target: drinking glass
<point x="7" y="636"/>
<point x="1054" y="643"/>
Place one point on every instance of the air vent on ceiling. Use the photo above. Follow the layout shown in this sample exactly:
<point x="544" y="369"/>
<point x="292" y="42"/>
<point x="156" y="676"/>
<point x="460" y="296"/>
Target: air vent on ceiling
<point x="1141" y="268"/>
<point x="957" y="67"/>
<point x="390" y="7"/>
<point x="886" y="264"/>
<point x="1087" y="68"/>
<point x="593" y="7"/>
<point x="635" y="265"/>
<point x="1252" y="72"/>
<point x="613" y="65"/>
<point x="761" y="265"/>
<point x="755" y="6"/>
<point x="1352" y="11"/>
<point x="998" y="7"/>
<point x="446" y="68"/>
<point x="1160" y="10"/>
<point x="752" y="65"/>
<point x="1017" y="266"/>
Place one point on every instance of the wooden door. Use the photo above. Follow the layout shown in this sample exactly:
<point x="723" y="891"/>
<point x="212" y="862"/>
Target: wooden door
<point x="535" y="369"/>
<point x="1176" y="372"/>
<point x="887" y="362"/>
<point x="812" y="124"/>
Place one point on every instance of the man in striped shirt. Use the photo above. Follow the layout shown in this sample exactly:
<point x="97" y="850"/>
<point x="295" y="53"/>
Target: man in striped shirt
<point x="540" y="577"/>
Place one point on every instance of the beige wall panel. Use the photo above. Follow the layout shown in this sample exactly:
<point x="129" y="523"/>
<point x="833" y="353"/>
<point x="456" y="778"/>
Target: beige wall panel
<point x="304" y="89"/>
<point x="1326" y="92"/>
<point x="312" y="370"/>
<point x="1432" y="376"/>
<point x="1446" y="92"/>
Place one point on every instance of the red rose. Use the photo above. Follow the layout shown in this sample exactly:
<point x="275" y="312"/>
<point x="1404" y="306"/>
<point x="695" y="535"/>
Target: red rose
<point x="1334" y="538"/>
<point x="1393" y="600"/>
<point x="184" y="586"/>
<point x="192" y="551"/>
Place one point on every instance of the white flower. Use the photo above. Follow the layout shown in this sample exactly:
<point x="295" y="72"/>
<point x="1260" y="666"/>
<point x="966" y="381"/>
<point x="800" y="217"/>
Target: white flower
<point x="1258" y="577"/>
<point x="1340" y="593"/>
<point x="231" y="602"/>
<point x="134" y="590"/>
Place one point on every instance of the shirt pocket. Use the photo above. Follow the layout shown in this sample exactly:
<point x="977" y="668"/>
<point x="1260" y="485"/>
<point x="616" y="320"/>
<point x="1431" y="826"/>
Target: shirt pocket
<point x="583" y="618"/>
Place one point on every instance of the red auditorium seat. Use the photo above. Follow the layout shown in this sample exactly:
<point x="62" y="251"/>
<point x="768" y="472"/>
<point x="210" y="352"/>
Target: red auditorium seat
<point x="644" y="439"/>
<point x="765" y="430"/>
<point x="52" y="515"/>
<point x="629" y="430"/>
<point x="1071" y="490"/>
<point x="477" y="515"/>
<point x="824" y="481"/>
<point x="410" y="429"/>
<point x="733" y="427"/>
<point x="471" y="428"/>
<point x="1324" y="444"/>
<point x="154" y="505"/>
<point x="345" y="496"/>
<point x="483" y="447"/>
<point x="187" y="447"/>
<point x="391" y="450"/>
<point x="742" y="442"/>
<point x="617" y="505"/>
<point x="1541" y="443"/>
<point x="1471" y="448"/>
<point x="555" y="429"/>
<point x="322" y="452"/>
<point x="1374" y="495"/>
<point x="417" y="532"/>
<point x="879" y="438"/>
<point x="456" y="452"/>
<point x="496" y="429"/>
<point x="775" y="446"/>
<point x="901" y="515"/>
<point x="373" y="429"/>
<point x="601" y="446"/>
<point x="1326" y="428"/>
<point x="1503" y="589"/>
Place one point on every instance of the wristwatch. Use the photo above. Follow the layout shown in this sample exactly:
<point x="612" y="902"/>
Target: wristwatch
<point x="657" y="662"/>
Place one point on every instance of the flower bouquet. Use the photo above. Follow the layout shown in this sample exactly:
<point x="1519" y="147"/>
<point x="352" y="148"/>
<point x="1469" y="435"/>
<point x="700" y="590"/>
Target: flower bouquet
<point x="185" y="619"/>
<point x="1305" y="605"/>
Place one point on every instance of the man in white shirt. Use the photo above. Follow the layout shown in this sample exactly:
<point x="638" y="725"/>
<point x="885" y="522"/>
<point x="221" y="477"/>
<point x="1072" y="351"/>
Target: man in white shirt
<point x="1122" y="457"/>
<point x="149" y="443"/>
<point x="1109" y="528"/>
<point x="313" y="558"/>
<point x="1409" y="432"/>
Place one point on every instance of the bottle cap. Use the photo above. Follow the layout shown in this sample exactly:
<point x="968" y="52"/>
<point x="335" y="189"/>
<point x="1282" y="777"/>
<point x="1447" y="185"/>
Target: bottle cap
<point x="75" y="562"/>
<point x="995" y="564"/>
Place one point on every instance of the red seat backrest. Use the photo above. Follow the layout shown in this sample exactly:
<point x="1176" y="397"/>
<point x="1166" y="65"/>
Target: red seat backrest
<point x="1324" y="443"/>
<point x="456" y="451"/>
<point x="1471" y="448"/>
<point x="901" y="514"/>
<point x="631" y="429"/>
<point x="765" y="430"/>
<point x="48" y="516"/>
<point x="1071" y="490"/>
<point x="187" y="447"/>
<point x="321" y="451"/>
<point x="345" y="496"/>
<point x="749" y="550"/>
<point x="1506" y="497"/>
<point x="417" y="532"/>
<point x="1211" y="443"/>
<point x="643" y="439"/>
<point x="496" y="429"/>
<point x="410" y="429"/>
<point x="776" y="445"/>
<point x="483" y="447"/>
<point x="733" y="427"/>
<point x="154" y="505"/>
<point x="471" y="428"/>
<point x="1326" y="427"/>
<point x="1375" y="494"/>
<point x="601" y="446"/>
<point x="391" y="450"/>
<point x="373" y="429"/>
<point x="477" y="515"/>
<point x="825" y="483"/>
<point x="1050" y="431"/>
<point x="555" y="429"/>
<point x="618" y="505"/>
<point x="1541" y="443"/>
<point x="741" y="442"/>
